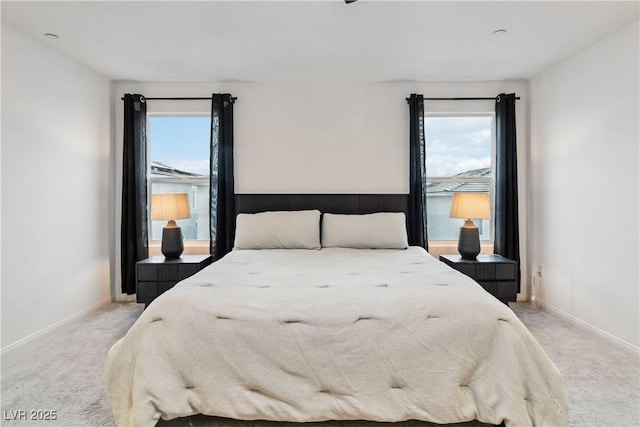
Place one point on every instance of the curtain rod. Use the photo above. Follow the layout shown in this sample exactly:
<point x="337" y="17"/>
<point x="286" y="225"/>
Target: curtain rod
<point x="233" y="98"/>
<point x="462" y="99"/>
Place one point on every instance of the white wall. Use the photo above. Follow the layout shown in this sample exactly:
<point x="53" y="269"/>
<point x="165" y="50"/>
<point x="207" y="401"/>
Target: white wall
<point x="319" y="137"/>
<point x="583" y="222"/>
<point x="56" y="207"/>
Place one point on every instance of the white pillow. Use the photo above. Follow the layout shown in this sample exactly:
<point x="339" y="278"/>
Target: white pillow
<point x="278" y="230"/>
<point x="383" y="230"/>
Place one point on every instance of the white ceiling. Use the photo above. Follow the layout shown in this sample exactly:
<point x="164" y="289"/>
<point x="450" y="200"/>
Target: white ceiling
<point x="379" y="41"/>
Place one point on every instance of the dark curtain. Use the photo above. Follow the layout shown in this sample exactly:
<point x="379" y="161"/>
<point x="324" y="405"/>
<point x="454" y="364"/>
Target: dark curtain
<point x="507" y="240"/>
<point x="417" y="210"/>
<point x="133" y="229"/>
<point x="222" y="202"/>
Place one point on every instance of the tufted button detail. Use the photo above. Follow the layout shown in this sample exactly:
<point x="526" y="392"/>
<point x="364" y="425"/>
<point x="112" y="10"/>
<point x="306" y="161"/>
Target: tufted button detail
<point x="382" y="285"/>
<point x="223" y="317"/>
<point x="290" y="321"/>
<point x="263" y="286"/>
<point x="431" y="316"/>
<point x="323" y="286"/>
<point x="206" y="285"/>
<point x="396" y="384"/>
<point x="363" y="318"/>
<point x="156" y="319"/>
<point x="500" y="319"/>
<point x="442" y="284"/>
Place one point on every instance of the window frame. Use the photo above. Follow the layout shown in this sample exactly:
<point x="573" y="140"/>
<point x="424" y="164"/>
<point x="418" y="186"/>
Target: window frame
<point x="166" y="180"/>
<point x="481" y="179"/>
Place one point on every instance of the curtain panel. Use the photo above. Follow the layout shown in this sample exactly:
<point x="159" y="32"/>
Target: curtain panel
<point x="222" y="213"/>
<point x="417" y="209"/>
<point x="133" y="228"/>
<point x="507" y="239"/>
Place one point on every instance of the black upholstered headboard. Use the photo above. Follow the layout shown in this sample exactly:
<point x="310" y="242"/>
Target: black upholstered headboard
<point x="325" y="203"/>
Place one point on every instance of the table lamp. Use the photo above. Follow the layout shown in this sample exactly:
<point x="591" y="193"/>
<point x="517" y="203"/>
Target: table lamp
<point x="171" y="206"/>
<point x="470" y="206"/>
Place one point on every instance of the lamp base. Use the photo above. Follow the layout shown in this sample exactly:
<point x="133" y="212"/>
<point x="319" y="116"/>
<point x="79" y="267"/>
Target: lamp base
<point x="172" y="243"/>
<point x="469" y="241"/>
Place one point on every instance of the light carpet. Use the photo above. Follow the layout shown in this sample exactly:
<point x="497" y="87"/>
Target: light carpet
<point x="63" y="371"/>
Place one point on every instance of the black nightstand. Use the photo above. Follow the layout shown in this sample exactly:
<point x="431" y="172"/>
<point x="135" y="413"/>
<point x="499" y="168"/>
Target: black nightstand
<point x="157" y="274"/>
<point x="495" y="273"/>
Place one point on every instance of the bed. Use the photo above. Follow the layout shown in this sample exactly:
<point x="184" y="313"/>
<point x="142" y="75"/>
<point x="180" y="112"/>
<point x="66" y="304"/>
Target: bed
<point x="332" y="334"/>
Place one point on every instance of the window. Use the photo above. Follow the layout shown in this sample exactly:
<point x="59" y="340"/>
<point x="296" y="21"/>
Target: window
<point x="459" y="157"/>
<point x="179" y="157"/>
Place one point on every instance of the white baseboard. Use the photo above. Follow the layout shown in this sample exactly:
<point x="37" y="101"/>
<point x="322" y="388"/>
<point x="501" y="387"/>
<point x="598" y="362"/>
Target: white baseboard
<point x="587" y="326"/>
<point x="95" y="307"/>
<point x="125" y="298"/>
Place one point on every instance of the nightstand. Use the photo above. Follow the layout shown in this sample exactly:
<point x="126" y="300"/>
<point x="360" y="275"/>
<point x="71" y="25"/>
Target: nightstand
<point x="157" y="274"/>
<point x="495" y="273"/>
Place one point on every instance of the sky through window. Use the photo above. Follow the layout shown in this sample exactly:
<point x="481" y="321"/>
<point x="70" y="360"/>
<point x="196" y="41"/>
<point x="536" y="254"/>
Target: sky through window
<point x="457" y="144"/>
<point x="181" y="142"/>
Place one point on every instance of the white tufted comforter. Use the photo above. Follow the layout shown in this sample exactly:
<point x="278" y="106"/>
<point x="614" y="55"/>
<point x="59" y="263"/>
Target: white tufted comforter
<point x="304" y="335"/>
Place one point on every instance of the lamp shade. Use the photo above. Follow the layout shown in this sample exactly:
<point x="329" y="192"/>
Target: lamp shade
<point x="470" y="206"/>
<point x="168" y="206"/>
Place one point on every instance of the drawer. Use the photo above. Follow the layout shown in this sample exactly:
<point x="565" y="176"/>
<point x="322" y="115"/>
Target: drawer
<point x="147" y="272"/>
<point x="485" y="271"/>
<point x="146" y="291"/>
<point x="506" y="271"/>
<point x="467" y="269"/>
<point x="187" y="270"/>
<point x="168" y="272"/>
<point x="507" y="290"/>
